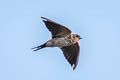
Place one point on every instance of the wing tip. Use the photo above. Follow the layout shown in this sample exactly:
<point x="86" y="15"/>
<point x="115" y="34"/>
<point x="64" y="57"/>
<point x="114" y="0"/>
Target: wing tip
<point x="74" y="67"/>
<point x="44" y="19"/>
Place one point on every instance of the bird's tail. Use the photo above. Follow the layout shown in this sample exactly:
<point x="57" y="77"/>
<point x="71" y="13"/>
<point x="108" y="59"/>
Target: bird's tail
<point x="39" y="47"/>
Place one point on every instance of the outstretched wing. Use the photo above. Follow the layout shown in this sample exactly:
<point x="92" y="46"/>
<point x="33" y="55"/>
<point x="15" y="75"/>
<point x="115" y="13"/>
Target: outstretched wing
<point x="56" y="29"/>
<point x="71" y="53"/>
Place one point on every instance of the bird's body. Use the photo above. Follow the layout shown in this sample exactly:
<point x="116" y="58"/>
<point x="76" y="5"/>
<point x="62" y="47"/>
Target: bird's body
<point x="62" y="38"/>
<point x="62" y="42"/>
<point x="59" y="42"/>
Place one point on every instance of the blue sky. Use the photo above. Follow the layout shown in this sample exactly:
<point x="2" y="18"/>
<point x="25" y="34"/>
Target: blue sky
<point x="96" y="21"/>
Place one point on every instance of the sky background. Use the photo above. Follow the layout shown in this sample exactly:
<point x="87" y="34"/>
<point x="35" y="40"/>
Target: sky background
<point x="21" y="28"/>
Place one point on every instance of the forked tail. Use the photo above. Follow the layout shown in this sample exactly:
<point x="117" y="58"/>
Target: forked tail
<point x="39" y="47"/>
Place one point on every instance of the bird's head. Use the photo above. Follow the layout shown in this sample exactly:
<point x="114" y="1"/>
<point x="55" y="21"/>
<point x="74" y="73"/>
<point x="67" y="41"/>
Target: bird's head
<point x="76" y="37"/>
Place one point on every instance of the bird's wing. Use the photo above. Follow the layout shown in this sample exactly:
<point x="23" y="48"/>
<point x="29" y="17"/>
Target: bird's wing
<point x="56" y="29"/>
<point x="71" y="53"/>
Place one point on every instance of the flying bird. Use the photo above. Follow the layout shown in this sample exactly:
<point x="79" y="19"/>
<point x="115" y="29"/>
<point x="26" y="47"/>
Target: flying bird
<point x="63" y="38"/>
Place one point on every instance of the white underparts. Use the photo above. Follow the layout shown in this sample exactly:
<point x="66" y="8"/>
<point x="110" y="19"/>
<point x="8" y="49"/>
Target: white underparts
<point x="62" y="42"/>
<point x="59" y="42"/>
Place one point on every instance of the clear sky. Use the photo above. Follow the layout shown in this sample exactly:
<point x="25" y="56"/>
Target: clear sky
<point x="21" y="28"/>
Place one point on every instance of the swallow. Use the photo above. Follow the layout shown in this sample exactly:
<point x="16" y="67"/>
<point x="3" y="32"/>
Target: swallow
<point x="62" y="38"/>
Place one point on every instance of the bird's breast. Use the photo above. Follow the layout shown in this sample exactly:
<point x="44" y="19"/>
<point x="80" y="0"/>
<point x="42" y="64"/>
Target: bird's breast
<point x="59" y="42"/>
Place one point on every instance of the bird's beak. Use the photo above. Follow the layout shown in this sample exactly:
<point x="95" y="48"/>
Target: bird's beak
<point x="80" y="38"/>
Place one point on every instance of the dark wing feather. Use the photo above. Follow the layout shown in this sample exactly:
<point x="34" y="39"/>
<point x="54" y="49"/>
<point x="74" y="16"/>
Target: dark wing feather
<point x="71" y="53"/>
<point x="56" y="29"/>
